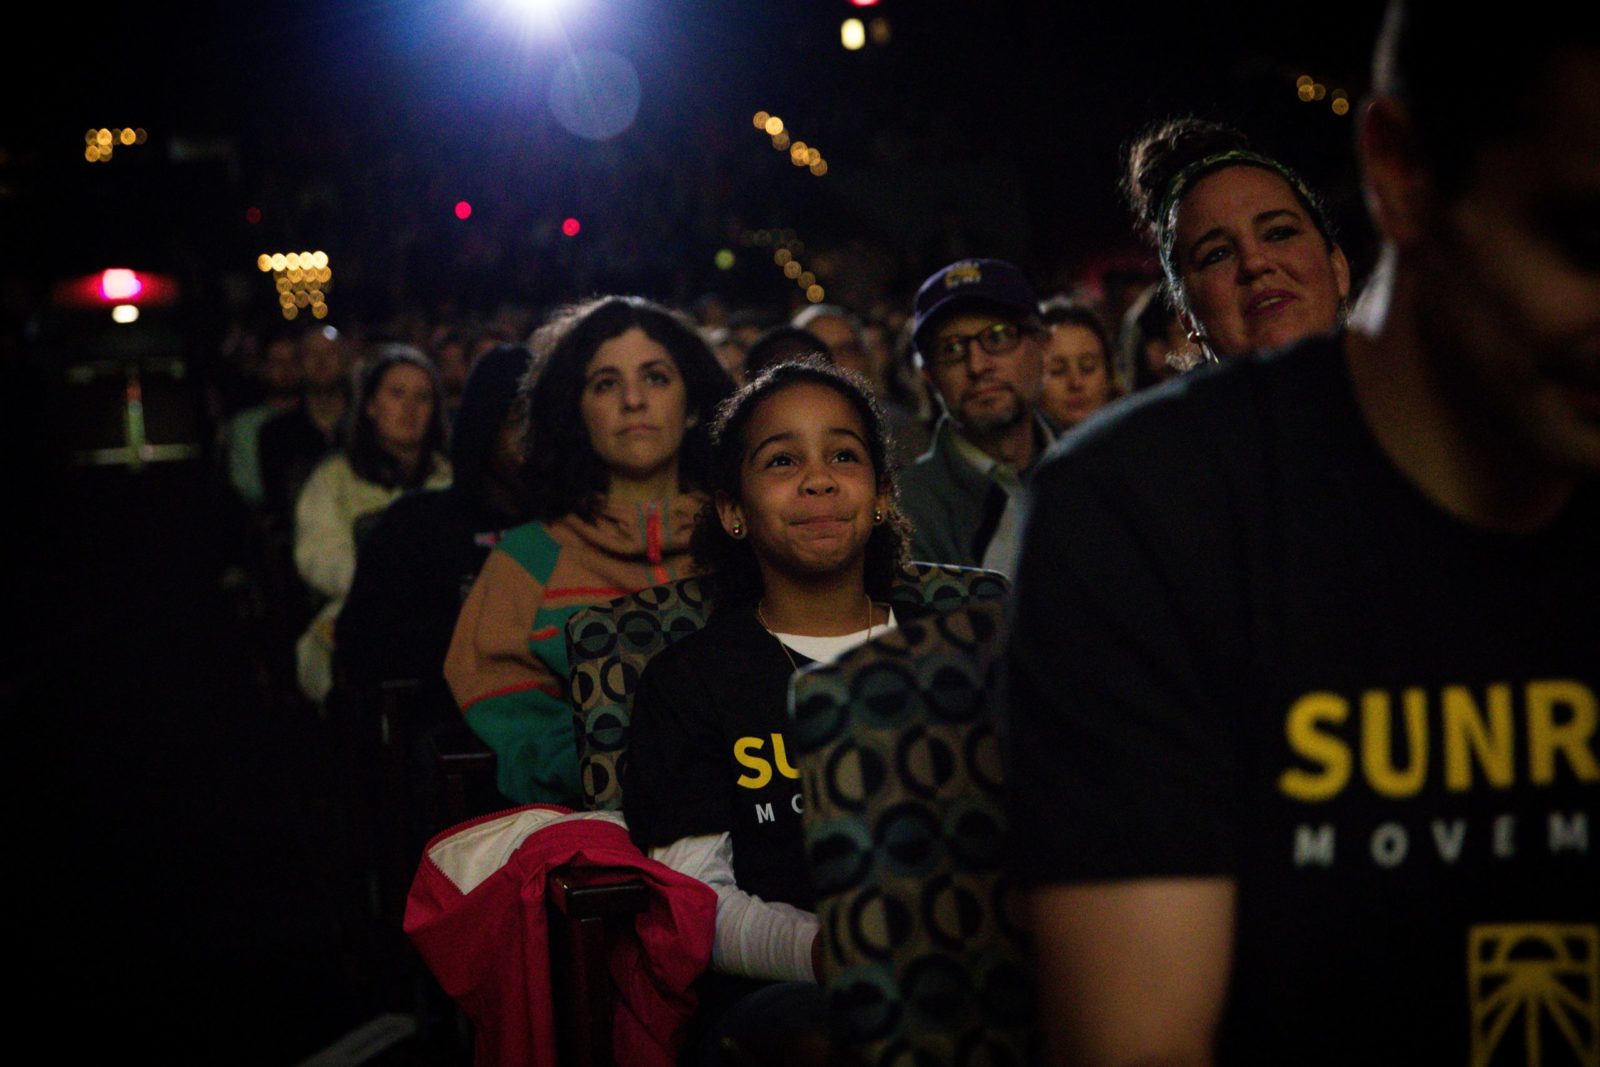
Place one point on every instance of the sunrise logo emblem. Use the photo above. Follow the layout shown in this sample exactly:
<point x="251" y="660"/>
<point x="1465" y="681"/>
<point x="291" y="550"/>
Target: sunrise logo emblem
<point x="1545" y="974"/>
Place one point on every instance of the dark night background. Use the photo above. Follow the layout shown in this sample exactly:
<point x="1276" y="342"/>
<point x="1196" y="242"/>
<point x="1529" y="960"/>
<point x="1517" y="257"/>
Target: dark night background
<point x="175" y="888"/>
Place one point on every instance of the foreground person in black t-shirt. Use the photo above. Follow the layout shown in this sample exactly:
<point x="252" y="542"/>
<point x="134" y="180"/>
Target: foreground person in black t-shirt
<point x="804" y="540"/>
<point x="1305" y="681"/>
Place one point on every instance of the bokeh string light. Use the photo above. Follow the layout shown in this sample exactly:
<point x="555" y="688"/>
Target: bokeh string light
<point x="786" y="246"/>
<point x="786" y="251"/>
<point x="99" y="144"/>
<point x="1311" y="91"/>
<point x="801" y="154"/>
<point x="302" y="281"/>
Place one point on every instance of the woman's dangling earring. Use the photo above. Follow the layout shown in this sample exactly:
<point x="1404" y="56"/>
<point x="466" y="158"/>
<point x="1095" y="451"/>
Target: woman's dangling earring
<point x="877" y="515"/>
<point x="738" y="530"/>
<point x="1202" y="352"/>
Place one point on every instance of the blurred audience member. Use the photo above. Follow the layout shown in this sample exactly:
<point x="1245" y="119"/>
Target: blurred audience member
<point x="423" y="553"/>
<point x="780" y="345"/>
<point x="394" y="447"/>
<point x="840" y="331"/>
<point x="710" y="311"/>
<point x="279" y="373"/>
<point x="451" y="352"/>
<point x="293" y="443"/>
<point x="980" y="342"/>
<point x="1152" y="345"/>
<point x="729" y="352"/>
<point x="1077" y="365"/>
<point x="908" y="400"/>
<point x="747" y="324"/>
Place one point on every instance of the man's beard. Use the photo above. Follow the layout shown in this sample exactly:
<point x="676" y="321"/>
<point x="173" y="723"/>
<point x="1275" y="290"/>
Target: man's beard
<point x="994" y="421"/>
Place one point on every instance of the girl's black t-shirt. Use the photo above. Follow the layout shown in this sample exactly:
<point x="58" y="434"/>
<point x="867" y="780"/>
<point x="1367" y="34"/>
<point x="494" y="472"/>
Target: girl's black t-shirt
<point x="709" y="752"/>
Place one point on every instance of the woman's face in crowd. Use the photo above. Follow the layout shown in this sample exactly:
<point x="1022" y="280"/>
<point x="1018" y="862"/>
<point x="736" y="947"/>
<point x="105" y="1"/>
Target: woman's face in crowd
<point x="401" y="408"/>
<point x="1077" y="382"/>
<point x="1255" y="269"/>
<point x="280" y="367"/>
<point x="808" y="491"/>
<point x="635" y="406"/>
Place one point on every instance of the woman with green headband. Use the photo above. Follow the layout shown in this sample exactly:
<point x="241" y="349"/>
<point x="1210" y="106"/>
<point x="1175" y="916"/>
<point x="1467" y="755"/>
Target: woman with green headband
<point x="1246" y="247"/>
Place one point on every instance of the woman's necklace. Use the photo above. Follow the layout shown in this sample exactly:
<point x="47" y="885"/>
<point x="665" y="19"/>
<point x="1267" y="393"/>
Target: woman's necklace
<point x="762" y="619"/>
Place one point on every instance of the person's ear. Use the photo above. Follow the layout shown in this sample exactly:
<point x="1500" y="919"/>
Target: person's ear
<point x="880" y="506"/>
<point x="731" y="515"/>
<point x="1393" y="177"/>
<point x="691" y="420"/>
<point x="1341" y="272"/>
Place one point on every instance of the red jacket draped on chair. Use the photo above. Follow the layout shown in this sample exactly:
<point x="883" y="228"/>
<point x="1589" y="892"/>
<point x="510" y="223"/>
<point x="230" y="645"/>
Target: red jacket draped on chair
<point x="477" y="915"/>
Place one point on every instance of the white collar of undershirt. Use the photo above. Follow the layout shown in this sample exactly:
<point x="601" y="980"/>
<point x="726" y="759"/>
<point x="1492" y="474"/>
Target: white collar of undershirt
<point x="827" y="649"/>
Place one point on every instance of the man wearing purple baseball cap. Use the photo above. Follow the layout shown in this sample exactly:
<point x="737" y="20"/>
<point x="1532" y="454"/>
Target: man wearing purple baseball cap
<point x="977" y="339"/>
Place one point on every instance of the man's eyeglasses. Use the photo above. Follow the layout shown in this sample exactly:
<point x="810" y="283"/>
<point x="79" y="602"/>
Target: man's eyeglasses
<point x="996" y="339"/>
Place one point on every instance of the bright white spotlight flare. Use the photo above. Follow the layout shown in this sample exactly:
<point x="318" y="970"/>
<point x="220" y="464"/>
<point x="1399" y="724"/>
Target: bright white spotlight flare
<point x="545" y="18"/>
<point x="538" y="10"/>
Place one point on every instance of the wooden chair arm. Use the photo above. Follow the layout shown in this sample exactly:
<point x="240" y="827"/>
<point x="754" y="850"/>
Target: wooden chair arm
<point x="596" y="892"/>
<point x="586" y="907"/>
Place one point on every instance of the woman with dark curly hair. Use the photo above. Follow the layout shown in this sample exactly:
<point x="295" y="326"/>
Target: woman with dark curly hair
<point x="619" y="398"/>
<point x="1248" y="253"/>
<point x="804" y="539"/>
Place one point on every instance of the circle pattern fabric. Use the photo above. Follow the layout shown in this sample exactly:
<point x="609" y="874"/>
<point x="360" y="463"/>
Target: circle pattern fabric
<point x="609" y="645"/>
<point x="900" y="756"/>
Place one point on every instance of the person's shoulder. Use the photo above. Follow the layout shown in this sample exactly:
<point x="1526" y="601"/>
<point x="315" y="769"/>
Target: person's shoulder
<point x="252" y="418"/>
<point x="331" y="472"/>
<point x="1217" y="413"/>
<point x="530" y="537"/>
<point x="531" y="547"/>
<point x="938" y="441"/>
<point x="932" y="475"/>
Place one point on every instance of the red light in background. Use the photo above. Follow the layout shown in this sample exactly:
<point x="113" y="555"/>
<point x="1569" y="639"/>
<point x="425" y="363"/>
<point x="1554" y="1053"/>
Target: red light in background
<point x="463" y="210"/>
<point x="570" y="227"/>
<point x="252" y="215"/>
<point x="864" y="3"/>
<point x="119" y="283"/>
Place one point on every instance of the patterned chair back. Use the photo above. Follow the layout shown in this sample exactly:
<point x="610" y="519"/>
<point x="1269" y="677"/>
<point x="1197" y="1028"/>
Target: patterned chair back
<point x="905" y="833"/>
<point x="608" y="646"/>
